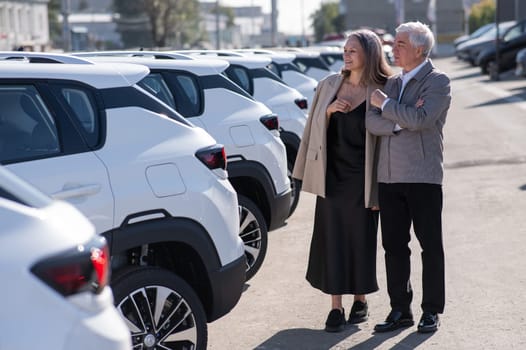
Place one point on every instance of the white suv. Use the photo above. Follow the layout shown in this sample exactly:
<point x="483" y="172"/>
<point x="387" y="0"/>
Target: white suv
<point x="55" y="272"/>
<point x="283" y="66"/>
<point x="250" y="72"/>
<point x="152" y="183"/>
<point x="311" y="63"/>
<point x="257" y="160"/>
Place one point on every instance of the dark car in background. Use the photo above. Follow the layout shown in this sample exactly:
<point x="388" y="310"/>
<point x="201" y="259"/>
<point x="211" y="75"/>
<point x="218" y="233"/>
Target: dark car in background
<point x="470" y="49"/>
<point x="512" y="41"/>
<point x="520" y="61"/>
<point x="477" y="33"/>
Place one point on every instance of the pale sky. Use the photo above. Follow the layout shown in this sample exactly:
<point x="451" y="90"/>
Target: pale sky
<point x="290" y="12"/>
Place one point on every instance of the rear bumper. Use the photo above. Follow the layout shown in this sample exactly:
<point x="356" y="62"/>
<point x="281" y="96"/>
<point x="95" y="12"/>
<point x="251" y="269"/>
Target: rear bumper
<point x="280" y="208"/>
<point x="227" y="285"/>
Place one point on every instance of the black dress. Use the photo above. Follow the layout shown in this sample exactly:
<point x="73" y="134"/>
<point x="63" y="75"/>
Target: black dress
<point x="342" y="257"/>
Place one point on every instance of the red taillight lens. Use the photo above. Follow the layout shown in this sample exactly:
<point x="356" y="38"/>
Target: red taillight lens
<point x="100" y="260"/>
<point x="213" y="157"/>
<point x="271" y="122"/>
<point x="302" y="103"/>
<point x="84" y="268"/>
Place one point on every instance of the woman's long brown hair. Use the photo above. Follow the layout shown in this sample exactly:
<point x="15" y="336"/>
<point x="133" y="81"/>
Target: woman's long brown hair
<point x="376" y="68"/>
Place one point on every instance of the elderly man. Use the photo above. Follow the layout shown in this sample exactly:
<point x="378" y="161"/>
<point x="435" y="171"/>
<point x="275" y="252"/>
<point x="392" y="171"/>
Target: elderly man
<point x="409" y="117"/>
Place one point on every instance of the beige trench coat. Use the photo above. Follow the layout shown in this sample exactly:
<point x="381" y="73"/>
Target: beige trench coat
<point x="311" y="160"/>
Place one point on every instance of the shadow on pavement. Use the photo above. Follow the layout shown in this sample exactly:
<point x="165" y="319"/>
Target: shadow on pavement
<point x="411" y="341"/>
<point x="305" y="339"/>
<point x="466" y="76"/>
<point x="499" y="101"/>
<point x="314" y="339"/>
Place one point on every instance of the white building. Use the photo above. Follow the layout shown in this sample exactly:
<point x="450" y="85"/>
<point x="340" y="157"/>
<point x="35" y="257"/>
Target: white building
<point x="24" y="23"/>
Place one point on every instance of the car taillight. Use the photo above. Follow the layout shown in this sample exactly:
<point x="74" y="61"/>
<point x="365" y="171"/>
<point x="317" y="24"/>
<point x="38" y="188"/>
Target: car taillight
<point x="302" y="103"/>
<point x="84" y="268"/>
<point x="213" y="157"/>
<point x="271" y="122"/>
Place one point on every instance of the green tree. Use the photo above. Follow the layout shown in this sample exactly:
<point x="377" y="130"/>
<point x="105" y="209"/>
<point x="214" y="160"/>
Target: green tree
<point x="228" y="12"/>
<point x="132" y="23"/>
<point x="55" y="27"/>
<point x="481" y="13"/>
<point x="158" y="23"/>
<point x="327" y="20"/>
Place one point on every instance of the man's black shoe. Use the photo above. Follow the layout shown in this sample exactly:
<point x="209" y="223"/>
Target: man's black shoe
<point x="335" y="321"/>
<point x="395" y="320"/>
<point x="359" y="312"/>
<point x="429" y="322"/>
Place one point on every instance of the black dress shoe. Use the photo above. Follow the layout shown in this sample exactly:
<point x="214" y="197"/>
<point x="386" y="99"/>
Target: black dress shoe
<point x="359" y="312"/>
<point x="395" y="319"/>
<point x="429" y="322"/>
<point x="335" y="321"/>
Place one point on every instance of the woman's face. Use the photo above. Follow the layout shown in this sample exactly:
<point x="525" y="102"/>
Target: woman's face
<point x="353" y="55"/>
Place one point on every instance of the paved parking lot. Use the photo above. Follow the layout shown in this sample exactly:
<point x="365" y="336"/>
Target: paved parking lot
<point x="484" y="235"/>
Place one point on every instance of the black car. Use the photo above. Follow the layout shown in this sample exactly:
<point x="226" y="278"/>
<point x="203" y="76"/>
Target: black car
<point x="512" y="41"/>
<point x="477" y="33"/>
<point x="470" y="49"/>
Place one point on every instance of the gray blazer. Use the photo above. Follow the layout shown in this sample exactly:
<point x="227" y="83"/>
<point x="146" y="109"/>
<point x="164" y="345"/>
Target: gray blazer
<point x="311" y="160"/>
<point x="415" y="153"/>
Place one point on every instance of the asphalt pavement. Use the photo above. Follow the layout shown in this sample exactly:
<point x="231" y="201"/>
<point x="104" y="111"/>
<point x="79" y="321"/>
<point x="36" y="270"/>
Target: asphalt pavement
<point x="484" y="238"/>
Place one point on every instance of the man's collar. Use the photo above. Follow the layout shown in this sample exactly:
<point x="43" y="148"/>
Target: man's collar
<point x="408" y="75"/>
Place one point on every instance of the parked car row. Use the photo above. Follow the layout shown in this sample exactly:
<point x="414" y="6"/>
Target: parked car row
<point x="139" y="143"/>
<point x="154" y="185"/>
<point x="493" y="55"/>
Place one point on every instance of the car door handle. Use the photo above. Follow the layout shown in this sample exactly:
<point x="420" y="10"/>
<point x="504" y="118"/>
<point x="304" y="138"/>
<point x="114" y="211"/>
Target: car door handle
<point x="80" y="191"/>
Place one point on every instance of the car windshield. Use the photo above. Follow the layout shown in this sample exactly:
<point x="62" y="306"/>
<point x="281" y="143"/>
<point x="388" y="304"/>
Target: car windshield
<point x="482" y="30"/>
<point x="503" y="27"/>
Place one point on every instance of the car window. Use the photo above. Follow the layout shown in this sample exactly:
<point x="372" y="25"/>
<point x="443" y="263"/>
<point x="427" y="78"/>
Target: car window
<point x="301" y="66"/>
<point x="514" y="32"/>
<point x="84" y="110"/>
<point x="155" y="85"/>
<point x="240" y="76"/>
<point x="274" y="69"/>
<point x="187" y="93"/>
<point x="330" y="59"/>
<point x="490" y="34"/>
<point x="27" y="128"/>
<point x="482" y="30"/>
<point x="304" y="63"/>
<point x="289" y="67"/>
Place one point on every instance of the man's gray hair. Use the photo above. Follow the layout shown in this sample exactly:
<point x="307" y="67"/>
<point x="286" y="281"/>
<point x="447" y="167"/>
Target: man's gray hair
<point x="419" y="35"/>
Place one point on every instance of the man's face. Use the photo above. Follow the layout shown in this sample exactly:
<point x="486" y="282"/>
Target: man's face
<point x="406" y="56"/>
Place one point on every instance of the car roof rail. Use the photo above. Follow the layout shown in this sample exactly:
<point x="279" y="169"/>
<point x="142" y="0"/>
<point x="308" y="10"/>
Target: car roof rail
<point x="135" y="53"/>
<point x="41" y="57"/>
<point x="218" y="53"/>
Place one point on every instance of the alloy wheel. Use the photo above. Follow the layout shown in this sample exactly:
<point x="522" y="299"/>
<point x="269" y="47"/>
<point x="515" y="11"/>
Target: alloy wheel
<point x="159" y="318"/>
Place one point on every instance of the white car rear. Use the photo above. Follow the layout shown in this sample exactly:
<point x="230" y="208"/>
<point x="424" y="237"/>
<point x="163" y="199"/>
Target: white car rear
<point x="246" y="127"/>
<point x="55" y="270"/>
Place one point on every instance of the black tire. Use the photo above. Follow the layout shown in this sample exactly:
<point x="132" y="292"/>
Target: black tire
<point x="295" y="186"/>
<point x="484" y="67"/>
<point x="253" y="231"/>
<point x="492" y="70"/>
<point x="136" y="292"/>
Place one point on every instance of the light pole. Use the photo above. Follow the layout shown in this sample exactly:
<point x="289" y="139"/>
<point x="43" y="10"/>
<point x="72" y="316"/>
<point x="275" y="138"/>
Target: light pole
<point x="494" y="73"/>
<point x="218" y="29"/>
<point x="274" y="22"/>
<point x="303" y="39"/>
<point x="400" y="5"/>
<point x="66" y="33"/>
